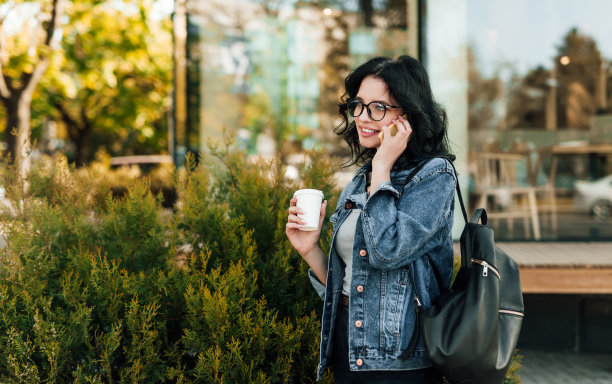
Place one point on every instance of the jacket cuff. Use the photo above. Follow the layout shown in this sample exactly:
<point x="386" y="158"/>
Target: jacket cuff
<point x="384" y="186"/>
<point x="361" y="199"/>
<point x="317" y="284"/>
<point x="387" y="186"/>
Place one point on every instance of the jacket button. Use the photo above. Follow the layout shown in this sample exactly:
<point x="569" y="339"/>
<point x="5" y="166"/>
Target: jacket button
<point x="348" y="205"/>
<point x="363" y="252"/>
<point x="360" y="288"/>
<point x="359" y="362"/>
<point x="358" y="323"/>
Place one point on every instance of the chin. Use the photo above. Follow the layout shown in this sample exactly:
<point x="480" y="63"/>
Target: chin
<point x="369" y="142"/>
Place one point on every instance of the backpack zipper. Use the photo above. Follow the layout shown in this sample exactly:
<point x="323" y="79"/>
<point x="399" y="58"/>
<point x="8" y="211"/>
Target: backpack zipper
<point x="486" y="267"/>
<point x="516" y="313"/>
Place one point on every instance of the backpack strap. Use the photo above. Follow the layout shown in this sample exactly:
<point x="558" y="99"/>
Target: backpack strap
<point x="463" y="210"/>
<point x="414" y="171"/>
<point x="479" y="214"/>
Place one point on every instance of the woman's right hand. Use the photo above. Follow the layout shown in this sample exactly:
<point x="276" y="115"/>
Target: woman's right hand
<point x="303" y="241"/>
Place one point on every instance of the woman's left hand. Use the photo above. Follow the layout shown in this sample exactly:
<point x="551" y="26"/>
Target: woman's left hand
<point x="392" y="147"/>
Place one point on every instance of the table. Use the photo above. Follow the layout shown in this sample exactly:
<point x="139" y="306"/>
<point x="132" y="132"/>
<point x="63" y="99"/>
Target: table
<point x="593" y="151"/>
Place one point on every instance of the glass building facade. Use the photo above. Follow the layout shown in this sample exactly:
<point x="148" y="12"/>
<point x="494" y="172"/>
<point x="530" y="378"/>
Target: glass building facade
<point x="527" y="86"/>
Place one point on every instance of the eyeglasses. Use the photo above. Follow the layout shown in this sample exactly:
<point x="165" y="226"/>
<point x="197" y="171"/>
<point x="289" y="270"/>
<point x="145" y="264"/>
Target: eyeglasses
<point x="355" y="108"/>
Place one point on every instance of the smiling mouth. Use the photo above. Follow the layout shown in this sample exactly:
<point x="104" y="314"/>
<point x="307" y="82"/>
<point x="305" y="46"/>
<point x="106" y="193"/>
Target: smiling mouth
<point x="365" y="130"/>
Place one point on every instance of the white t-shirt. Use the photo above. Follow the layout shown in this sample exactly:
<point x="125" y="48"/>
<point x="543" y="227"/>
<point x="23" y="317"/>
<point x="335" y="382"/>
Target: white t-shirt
<point x="344" y="247"/>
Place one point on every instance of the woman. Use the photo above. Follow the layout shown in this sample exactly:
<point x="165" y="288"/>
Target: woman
<point x="382" y="228"/>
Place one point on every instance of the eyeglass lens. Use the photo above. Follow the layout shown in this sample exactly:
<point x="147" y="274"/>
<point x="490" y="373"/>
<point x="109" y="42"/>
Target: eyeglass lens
<point x="376" y="111"/>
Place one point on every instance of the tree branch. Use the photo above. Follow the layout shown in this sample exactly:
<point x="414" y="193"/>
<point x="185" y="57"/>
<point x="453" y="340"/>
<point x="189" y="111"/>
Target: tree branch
<point x="4" y="87"/>
<point x="31" y="80"/>
<point x="5" y="93"/>
<point x="56" y="12"/>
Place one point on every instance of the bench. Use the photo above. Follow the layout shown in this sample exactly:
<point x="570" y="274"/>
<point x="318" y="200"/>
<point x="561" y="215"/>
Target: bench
<point x="563" y="267"/>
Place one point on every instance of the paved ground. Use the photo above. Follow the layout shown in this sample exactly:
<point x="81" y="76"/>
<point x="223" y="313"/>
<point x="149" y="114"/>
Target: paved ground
<point x="565" y="368"/>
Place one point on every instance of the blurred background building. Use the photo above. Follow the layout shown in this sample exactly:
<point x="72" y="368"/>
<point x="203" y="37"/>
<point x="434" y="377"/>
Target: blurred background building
<point x="528" y="105"/>
<point x="527" y="89"/>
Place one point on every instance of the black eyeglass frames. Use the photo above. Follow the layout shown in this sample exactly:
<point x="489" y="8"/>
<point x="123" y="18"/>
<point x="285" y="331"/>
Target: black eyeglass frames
<point x="356" y="107"/>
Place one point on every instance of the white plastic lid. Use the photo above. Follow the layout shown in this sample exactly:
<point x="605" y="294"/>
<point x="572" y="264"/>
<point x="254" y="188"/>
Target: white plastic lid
<point x="308" y="192"/>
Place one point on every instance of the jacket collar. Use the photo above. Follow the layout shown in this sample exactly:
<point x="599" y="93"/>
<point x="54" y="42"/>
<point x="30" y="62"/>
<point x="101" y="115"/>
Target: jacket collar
<point x="367" y="167"/>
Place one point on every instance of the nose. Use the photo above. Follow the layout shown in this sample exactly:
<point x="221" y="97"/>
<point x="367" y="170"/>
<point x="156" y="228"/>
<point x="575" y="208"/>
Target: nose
<point x="365" y="114"/>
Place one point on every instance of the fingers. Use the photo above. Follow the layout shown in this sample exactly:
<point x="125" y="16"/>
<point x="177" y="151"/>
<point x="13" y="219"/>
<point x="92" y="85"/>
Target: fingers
<point x="405" y="124"/>
<point x="403" y="129"/>
<point x="294" y="210"/>
<point x="294" y="220"/>
<point x="401" y="124"/>
<point x="293" y="226"/>
<point x="294" y="217"/>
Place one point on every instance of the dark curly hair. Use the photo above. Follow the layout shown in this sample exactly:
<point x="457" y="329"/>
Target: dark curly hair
<point x="408" y="85"/>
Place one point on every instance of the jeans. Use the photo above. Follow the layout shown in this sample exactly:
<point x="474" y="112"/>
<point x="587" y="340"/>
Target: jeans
<point x="343" y="374"/>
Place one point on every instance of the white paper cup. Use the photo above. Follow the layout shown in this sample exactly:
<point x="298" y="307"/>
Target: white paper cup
<point x="309" y="200"/>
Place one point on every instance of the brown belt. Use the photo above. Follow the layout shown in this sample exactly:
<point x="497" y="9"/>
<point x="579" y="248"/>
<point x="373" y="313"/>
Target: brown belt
<point x="345" y="301"/>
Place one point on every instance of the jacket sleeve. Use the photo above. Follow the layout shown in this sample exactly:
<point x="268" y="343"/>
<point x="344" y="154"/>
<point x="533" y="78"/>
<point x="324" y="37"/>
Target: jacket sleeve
<point x="316" y="284"/>
<point x="398" y="229"/>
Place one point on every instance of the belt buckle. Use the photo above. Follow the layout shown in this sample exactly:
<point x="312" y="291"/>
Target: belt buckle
<point x="345" y="301"/>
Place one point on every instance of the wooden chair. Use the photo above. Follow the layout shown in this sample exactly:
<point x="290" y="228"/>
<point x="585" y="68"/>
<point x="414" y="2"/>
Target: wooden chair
<point x="546" y="192"/>
<point x="544" y="183"/>
<point x="499" y="192"/>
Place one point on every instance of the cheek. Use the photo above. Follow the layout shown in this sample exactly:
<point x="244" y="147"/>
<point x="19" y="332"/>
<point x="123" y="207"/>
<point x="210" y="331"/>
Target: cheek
<point x="385" y="122"/>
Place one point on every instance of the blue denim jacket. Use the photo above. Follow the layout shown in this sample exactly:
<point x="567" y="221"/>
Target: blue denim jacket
<point x="398" y="226"/>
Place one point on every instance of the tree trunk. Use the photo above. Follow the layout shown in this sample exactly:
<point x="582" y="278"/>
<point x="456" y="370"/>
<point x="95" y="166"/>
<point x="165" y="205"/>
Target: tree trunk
<point x="80" y="135"/>
<point x="82" y="141"/>
<point x="24" y="147"/>
<point x="79" y="131"/>
<point x="10" y="106"/>
<point x="17" y="131"/>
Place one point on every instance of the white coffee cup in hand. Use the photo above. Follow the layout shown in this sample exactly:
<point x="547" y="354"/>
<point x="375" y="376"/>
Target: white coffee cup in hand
<point x="309" y="201"/>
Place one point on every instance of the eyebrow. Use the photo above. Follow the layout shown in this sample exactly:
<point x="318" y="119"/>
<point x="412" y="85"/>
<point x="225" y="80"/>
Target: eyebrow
<point x="387" y="103"/>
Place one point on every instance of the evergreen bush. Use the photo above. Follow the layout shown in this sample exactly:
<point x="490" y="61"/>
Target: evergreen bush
<point x="96" y="288"/>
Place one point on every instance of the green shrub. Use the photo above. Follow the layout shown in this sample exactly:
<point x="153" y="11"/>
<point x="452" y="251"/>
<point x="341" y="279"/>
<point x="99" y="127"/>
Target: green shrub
<point x="512" y="376"/>
<point x="96" y="288"/>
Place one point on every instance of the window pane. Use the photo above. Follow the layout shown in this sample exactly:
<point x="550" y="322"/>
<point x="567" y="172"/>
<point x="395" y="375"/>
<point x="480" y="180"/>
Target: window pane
<point x="540" y="117"/>
<point x="273" y="70"/>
